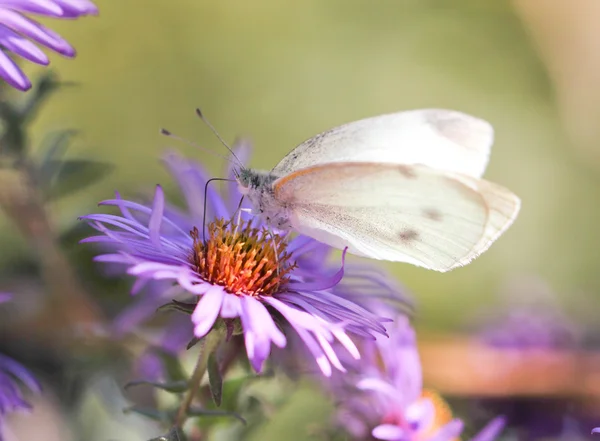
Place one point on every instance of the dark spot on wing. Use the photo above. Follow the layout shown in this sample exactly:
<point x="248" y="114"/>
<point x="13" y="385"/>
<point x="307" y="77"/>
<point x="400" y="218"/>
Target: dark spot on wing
<point x="433" y="214"/>
<point x="408" y="235"/>
<point x="407" y="171"/>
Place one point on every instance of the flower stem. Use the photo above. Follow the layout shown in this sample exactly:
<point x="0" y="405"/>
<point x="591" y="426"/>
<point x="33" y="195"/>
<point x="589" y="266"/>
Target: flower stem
<point x="209" y="344"/>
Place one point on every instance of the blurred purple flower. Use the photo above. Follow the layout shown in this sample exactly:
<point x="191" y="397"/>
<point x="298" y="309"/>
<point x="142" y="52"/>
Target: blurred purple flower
<point x="595" y="430"/>
<point x="530" y="328"/>
<point x="530" y="322"/>
<point x="16" y="31"/>
<point x="383" y="396"/>
<point x="12" y="376"/>
<point x="242" y="274"/>
<point x="530" y="319"/>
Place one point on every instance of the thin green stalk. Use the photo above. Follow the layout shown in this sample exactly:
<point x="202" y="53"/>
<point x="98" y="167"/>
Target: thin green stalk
<point x="208" y="345"/>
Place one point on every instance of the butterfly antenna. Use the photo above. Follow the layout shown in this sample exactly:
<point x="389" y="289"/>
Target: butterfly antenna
<point x="212" y="129"/>
<point x="193" y="144"/>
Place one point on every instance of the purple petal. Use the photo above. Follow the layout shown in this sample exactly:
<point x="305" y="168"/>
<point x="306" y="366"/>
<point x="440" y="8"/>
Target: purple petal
<point x="192" y="180"/>
<point x="324" y="306"/>
<point x="155" y="270"/>
<point x="207" y="311"/>
<point x="333" y="303"/>
<point x="131" y="220"/>
<point x="300" y="245"/>
<point x="76" y="8"/>
<point x="12" y="74"/>
<point x="295" y="316"/>
<point x="43" y="7"/>
<point x="595" y="430"/>
<point x="324" y="282"/>
<point x="36" y="31"/>
<point x="491" y="431"/>
<point x="231" y="307"/>
<point x="329" y="352"/>
<point x="18" y="371"/>
<point x="158" y="207"/>
<point x="377" y="385"/>
<point x="389" y="432"/>
<point x="420" y="413"/>
<point x="5" y="297"/>
<point x="346" y="343"/>
<point x="144" y="308"/>
<point x="192" y="283"/>
<point x="315" y="350"/>
<point x="21" y="46"/>
<point x="259" y="331"/>
<point x="448" y="432"/>
<point x="139" y="284"/>
<point x="119" y="202"/>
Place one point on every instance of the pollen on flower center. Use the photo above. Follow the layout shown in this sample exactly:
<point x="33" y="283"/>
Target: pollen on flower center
<point x="243" y="259"/>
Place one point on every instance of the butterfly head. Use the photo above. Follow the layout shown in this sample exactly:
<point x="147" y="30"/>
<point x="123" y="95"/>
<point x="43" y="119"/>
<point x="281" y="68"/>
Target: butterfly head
<point x="250" y="180"/>
<point x="257" y="187"/>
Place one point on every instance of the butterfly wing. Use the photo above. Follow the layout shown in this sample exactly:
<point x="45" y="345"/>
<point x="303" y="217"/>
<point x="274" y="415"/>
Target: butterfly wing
<point x="442" y="139"/>
<point x="405" y="213"/>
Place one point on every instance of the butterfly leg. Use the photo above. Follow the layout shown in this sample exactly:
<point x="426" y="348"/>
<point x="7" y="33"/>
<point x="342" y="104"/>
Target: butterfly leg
<point x="238" y="215"/>
<point x="283" y="237"/>
<point x="238" y="219"/>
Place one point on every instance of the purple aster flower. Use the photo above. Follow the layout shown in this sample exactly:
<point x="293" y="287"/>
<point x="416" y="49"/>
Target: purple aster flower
<point x="17" y="29"/>
<point x="12" y="376"/>
<point x="383" y="396"/>
<point x="237" y="271"/>
<point x="527" y="328"/>
<point x="530" y="319"/>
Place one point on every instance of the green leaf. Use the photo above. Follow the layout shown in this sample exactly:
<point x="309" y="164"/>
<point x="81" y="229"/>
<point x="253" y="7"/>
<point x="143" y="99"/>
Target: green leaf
<point x="52" y="149"/>
<point x="215" y="379"/>
<point x="176" y="387"/>
<point x="75" y="174"/>
<point x="46" y="84"/>
<point x="196" y="412"/>
<point x="13" y="139"/>
<point x="148" y="412"/>
<point x="174" y="305"/>
<point x="172" y="365"/>
<point x="192" y="343"/>
<point x="231" y="391"/>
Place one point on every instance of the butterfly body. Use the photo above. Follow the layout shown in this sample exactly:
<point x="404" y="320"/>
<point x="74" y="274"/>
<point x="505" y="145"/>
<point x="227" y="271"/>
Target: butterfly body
<point x="257" y="186"/>
<point x="401" y="187"/>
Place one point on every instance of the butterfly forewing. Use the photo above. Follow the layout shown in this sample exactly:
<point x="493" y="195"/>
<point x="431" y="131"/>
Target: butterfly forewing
<point x="441" y="139"/>
<point x="404" y="213"/>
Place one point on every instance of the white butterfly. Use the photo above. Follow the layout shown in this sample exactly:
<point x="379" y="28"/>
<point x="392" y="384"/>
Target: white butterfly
<point x="403" y="187"/>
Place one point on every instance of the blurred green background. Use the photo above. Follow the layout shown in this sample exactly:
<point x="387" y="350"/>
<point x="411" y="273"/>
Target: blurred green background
<point x="279" y="72"/>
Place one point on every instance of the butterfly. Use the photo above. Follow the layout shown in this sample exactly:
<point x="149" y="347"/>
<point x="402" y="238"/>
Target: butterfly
<point x="402" y="187"/>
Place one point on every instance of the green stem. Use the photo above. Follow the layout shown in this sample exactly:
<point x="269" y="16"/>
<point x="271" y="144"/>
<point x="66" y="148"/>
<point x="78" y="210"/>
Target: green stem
<point x="209" y="344"/>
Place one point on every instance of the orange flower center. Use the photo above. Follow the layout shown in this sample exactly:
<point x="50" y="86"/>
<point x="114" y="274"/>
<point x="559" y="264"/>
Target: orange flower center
<point x="244" y="260"/>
